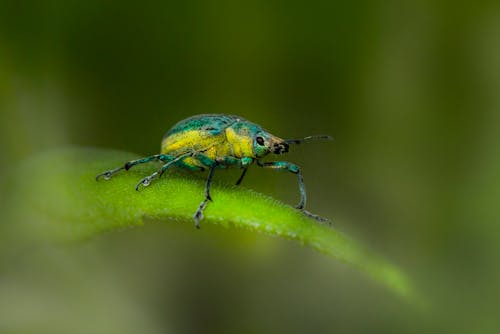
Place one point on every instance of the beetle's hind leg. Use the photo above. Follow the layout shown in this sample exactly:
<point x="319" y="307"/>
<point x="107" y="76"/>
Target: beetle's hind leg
<point x="198" y="215"/>
<point x="170" y="161"/>
<point x="108" y="174"/>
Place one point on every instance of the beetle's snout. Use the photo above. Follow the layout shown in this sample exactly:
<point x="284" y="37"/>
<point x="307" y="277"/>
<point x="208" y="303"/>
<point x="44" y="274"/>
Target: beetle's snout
<point x="279" y="148"/>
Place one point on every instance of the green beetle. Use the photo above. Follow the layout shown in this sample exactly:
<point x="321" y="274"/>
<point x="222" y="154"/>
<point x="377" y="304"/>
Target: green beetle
<point x="214" y="141"/>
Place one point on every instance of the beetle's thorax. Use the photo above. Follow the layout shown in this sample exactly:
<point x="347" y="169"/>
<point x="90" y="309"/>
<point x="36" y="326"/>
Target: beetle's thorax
<point x="240" y="142"/>
<point x="246" y="139"/>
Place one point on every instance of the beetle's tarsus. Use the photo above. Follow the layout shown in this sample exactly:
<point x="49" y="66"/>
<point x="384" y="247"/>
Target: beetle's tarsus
<point x="316" y="217"/>
<point x="198" y="215"/>
<point x="144" y="182"/>
<point x="147" y="180"/>
<point x="108" y="174"/>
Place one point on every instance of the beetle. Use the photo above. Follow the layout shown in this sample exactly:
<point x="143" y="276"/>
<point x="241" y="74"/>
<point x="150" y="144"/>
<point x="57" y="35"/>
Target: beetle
<point x="212" y="141"/>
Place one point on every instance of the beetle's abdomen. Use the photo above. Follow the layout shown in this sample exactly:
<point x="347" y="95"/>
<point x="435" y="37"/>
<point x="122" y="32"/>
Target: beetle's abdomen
<point x="202" y="133"/>
<point x="190" y="140"/>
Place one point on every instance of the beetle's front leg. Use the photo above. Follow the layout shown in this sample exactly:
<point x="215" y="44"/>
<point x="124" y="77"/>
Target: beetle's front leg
<point x="288" y="166"/>
<point x="293" y="168"/>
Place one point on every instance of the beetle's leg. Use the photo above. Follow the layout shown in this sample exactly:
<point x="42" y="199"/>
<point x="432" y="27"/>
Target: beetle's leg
<point x="242" y="176"/>
<point x="288" y="166"/>
<point x="147" y="180"/>
<point x="108" y="174"/>
<point x="199" y="213"/>
<point x="245" y="163"/>
<point x="226" y="162"/>
<point x="204" y="159"/>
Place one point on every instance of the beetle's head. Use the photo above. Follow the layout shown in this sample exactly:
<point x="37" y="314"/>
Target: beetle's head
<point x="250" y="140"/>
<point x="265" y="143"/>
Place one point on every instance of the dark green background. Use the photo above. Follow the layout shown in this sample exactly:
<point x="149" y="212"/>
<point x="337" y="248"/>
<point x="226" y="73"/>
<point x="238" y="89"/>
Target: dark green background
<point x="409" y="89"/>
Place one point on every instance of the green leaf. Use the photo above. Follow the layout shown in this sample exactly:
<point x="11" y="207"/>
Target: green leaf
<point x="63" y="201"/>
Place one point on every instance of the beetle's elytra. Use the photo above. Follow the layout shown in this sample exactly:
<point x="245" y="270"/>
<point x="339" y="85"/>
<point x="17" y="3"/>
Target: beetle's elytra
<point x="219" y="141"/>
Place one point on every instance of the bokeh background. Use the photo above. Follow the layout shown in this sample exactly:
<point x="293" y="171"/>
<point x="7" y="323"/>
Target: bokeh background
<point x="409" y="89"/>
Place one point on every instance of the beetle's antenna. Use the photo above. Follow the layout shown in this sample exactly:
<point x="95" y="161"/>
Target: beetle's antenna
<point x="308" y="138"/>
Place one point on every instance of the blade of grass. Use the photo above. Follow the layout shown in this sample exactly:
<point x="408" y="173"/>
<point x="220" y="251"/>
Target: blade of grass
<point x="59" y="192"/>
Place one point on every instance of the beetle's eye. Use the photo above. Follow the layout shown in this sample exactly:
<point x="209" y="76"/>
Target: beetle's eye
<point x="260" y="141"/>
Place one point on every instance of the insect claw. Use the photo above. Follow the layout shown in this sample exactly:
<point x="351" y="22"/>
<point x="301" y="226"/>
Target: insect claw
<point x="197" y="217"/>
<point x="197" y="221"/>
<point x="144" y="182"/>
<point x="106" y="176"/>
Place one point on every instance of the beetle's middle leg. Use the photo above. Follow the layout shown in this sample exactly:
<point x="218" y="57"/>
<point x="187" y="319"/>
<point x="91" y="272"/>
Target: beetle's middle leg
<point x="288" y="166"/>
<point x="108" y="174"/>
<point x="198" y="215"/>
<point x="243" y="163"/>
<point x="245" y="169"/>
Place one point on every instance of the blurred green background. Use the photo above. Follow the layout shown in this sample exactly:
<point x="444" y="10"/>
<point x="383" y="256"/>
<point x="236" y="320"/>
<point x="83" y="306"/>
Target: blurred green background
<point x="409" y="89"/>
